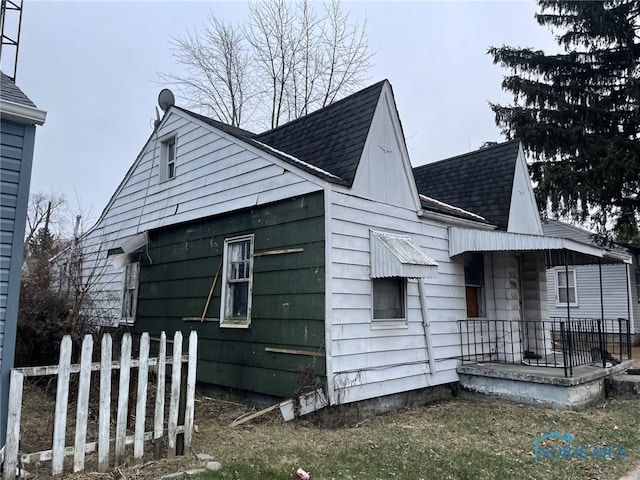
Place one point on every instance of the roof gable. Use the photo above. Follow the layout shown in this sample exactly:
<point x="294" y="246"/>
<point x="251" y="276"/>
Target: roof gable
<point x="480" y="182"/>
<point x="384" y="170"/>
<point x="332" y="138"/>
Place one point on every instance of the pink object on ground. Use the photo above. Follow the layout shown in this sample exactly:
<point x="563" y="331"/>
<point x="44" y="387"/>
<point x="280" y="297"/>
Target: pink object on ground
<point x="302" y="474"/>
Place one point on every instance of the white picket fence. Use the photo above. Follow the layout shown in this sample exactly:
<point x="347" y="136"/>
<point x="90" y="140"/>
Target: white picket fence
<point x="105" y="440"/>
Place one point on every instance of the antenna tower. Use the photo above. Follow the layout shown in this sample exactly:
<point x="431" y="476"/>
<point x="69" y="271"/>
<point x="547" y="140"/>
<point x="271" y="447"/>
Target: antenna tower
<point x="10" y="25"/>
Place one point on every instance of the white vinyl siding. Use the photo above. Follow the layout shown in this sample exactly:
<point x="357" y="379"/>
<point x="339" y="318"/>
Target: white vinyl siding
<point x="614" y="288"/>
<point x="367" y="361"/>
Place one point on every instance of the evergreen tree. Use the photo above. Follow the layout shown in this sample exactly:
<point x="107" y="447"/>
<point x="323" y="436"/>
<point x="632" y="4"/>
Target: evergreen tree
<point x="577" y="112"/>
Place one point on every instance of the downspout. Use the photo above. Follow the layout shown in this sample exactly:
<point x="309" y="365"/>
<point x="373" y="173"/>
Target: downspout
<point x="566" y="274"/>
<point x="601" y="294"/>
<point x="629" y="311"/>
<point x="427" y="326"/>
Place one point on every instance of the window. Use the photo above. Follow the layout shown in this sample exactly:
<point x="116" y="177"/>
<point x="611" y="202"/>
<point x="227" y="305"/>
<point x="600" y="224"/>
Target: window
<point x="389" y="298"/>
<point x="235" y="307"/>
<point x="566" y="287"/>
<point x="130" y="292"/>
<point x="473" y="285"/>
<point x="168" y="158"/>
<point x="638" y="284"/>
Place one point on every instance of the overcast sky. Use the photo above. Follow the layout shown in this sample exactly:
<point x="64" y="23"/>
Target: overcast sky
<point x="93" y="67"/>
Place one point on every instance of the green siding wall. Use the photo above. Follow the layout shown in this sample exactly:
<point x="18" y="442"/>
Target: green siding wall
<point x="288" y="294"/>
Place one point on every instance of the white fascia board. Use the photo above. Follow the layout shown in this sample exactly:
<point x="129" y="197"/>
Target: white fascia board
<point x="451" y="220"/>
<point x="20" y="113"/>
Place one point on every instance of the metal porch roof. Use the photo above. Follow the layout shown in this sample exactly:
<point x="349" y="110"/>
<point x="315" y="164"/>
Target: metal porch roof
<point x="560" y="250"/>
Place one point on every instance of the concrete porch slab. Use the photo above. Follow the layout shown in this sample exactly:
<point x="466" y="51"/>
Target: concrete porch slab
<point x="624" y="386"/>
<point x="544" y="386"/>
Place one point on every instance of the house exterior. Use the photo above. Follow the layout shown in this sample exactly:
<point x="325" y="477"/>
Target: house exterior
<point x="314" y="255"/>
<point x="19" y="117"/>
<point x="620" y="283"/>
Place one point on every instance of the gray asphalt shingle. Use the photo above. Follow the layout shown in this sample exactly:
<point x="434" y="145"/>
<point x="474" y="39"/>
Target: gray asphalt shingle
<point x="9" y="91"/>
<point x="331" y="138"/>
<point x="480" y="181"/>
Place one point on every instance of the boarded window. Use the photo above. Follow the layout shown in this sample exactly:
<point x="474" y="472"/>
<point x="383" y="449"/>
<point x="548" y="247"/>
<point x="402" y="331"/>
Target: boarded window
<point x="389" y="298"/>
<point x="238" y="275"/>
<point x="474" y="285"/>
<point x="566" y="287"/>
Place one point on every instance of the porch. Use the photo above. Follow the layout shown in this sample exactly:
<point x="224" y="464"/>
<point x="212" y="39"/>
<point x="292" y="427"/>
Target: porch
<point x="558" y="362"/>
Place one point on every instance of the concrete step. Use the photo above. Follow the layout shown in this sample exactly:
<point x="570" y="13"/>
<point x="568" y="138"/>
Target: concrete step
<point x="623" y="386"/>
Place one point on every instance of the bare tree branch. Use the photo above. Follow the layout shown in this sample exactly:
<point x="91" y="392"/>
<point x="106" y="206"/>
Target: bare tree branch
<point x="218" y="71"/>
<point x="44" y="208"/>
<point x="286" y="62"/>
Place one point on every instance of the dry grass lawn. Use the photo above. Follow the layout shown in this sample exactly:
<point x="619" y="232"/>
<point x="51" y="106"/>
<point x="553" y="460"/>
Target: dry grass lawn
<point x="466" y="437"/>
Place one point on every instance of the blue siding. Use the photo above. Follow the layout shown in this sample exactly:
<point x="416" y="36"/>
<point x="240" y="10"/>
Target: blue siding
<point x="16" y="155"/>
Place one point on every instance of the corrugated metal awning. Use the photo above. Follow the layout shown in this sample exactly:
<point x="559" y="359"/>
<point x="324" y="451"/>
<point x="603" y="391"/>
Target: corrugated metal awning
<point x="463" y="240"/>
<point x="398" y="256"/>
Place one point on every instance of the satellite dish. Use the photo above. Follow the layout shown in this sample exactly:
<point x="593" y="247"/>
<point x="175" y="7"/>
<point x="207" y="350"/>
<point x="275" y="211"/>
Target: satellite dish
<point x="166" y="99"/>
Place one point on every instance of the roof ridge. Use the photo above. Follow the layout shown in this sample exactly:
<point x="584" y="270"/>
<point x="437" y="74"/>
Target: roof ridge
<point x="236" y="131"/>
<point x="324" y="109"/>
<point x="569" y="225"/>
<point x="473" y="152"/>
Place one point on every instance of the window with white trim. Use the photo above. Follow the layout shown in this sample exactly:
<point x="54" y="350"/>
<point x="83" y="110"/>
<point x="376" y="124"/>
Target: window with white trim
<point x="389" y="298"/>
<point x="168" y="158"/>
<point x="566" y="287"/>
<point x="130" y="292"/>
<point x="474" y="285"/>
<point x="235" y="307"/>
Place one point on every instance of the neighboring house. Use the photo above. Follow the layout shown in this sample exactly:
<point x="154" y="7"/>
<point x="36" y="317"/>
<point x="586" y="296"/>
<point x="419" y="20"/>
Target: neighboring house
<point x="620" y="283"/>
<point x="18" y="119"/>
<point x="315" y="253"/>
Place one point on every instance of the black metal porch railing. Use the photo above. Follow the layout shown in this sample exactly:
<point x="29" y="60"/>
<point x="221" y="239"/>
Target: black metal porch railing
<point x="556" y="342"/>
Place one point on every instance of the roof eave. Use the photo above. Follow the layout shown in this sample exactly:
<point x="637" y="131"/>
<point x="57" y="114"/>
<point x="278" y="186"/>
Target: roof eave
<point x="20" y="113"/>
<point x="454" y="220"/>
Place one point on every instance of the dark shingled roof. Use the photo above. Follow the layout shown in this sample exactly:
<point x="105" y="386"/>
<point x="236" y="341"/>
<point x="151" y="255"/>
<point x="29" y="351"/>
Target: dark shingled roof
<point x="331" y="138"/>
<point x="479" y="182"/>
<point x="9" y="91"/>
<point x="235" y="131"/>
